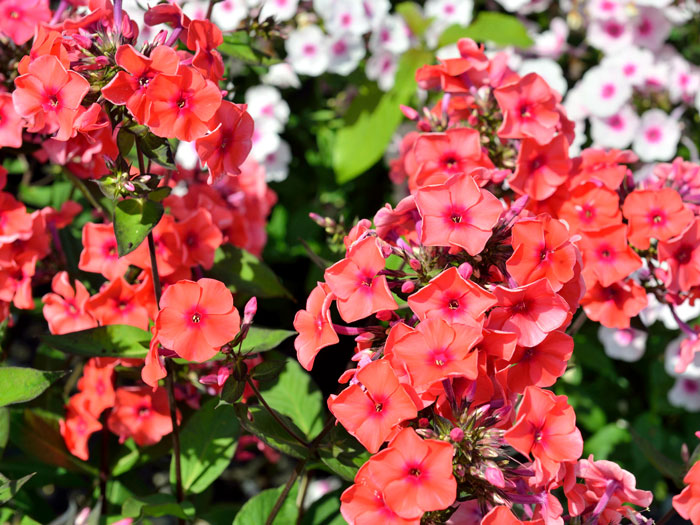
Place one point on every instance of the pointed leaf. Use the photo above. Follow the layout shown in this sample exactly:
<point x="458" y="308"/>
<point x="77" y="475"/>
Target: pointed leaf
<point x="245" y="273"/>
<point x="207" y="443"/>
<point x="499" y="28"/>
<point x="20" y="385"/>
<point x="8" y="488"/>
<point x="103" y="341"/>
<point x="157" y="505"/>
<point x="133" y="220"/>
<point x="258" y="421"/>
<point x="263" y="339"/>
<point x="257" y="509"/>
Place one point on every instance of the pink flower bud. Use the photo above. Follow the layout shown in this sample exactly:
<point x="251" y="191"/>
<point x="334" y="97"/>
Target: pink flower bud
<point x="414" y="264"/>
<point x="408" y="287"/>
<point x="249" y="311"/>
<point x="465" y="270"/>
<point x="384" y="315"/>
<point x="495" y="477"/>
<point x="409" y="113"/>
<point x="456" y="434"/>
<point x="423" y="422"/>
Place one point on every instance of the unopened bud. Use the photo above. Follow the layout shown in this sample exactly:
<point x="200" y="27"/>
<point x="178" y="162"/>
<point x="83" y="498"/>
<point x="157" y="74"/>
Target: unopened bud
<point x="423" y="422"/>
<point x="408" y="287"/>
<point x="465" y="270"/>
<point x="384" y="315"/>
<point x="456" y="434"/>
<point x="415" y="264"/>
<point x="249" y="311"/>
<point x="408" y="112"/>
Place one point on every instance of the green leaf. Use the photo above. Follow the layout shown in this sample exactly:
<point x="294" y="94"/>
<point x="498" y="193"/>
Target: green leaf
<point x="8" y="488"/>
<point x="125" y="141"/>
<point x="157" y="505"/>
<point x="207" y="443"/>
<point x="261" y="339"/>
<point x="602" y="443"/>
<point x="342" y="453"/>
<point x="258" y="421"/>
<point x="245" y="273"/>
<point x="499" y="28"/>
<point x="413" y="15"/>
<point x="116" y="340"/>
<point x="258" y="508"/>
<point x="295" y="395"/>
<point x="325" y="511"/>
<point x="232" y="391"/>
<point x="238" y="45"/>
<point x="157" y="149"/>
<point x="268" y="369"/>
<point x="54" y="194"/>
<point x="4" y="428"/>
<point x="372" y="120"/>
<point x="20" y="385"/>
<point x="36" y="433"/>
<point x="133" y="220"/>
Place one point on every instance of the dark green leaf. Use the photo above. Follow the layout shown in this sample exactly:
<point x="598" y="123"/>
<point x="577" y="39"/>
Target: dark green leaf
<point x="258" y="421"/>
<point x="8" y="488"/>
<point x="159" y="194"/>
<point x="238" y="45"/>
<point x="499" y="28"/>
<point x="268" y="369"/>
<point x="295" y="395"/>
<point x="53" y="195"/>
<point x="207" y="443"/>
<point x="157" y="149"/>
<point x="258" y="508"/>
<point x="261" y="339"/>
<point x="325" y="511"/>
<point x="232" y="391"/>
<point x="157" y="505"/>
<point x="103" y="341"/>
<point x="133" y="220"/>
<point x="125" y="141"/>
<point x="246" y="273"/>
<point x="372" y="120"/>
<point x="342" y="453"/>
<point x="20" y="385"/>
<point x="4" y="428"/>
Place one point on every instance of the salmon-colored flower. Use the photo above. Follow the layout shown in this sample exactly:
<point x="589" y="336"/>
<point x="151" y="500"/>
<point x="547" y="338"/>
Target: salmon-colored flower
<point x="451" y="297"/>
<point x="531" y="312"/>
<point x="682" y="254"/>
<point x="457" y="213"/>
<point x="168" y="248"/>
<point x="415" y="474"/>
<point x="115" y="303"/>
<point x="78" y="425"/>
<point x="355" y="281"/>
<point x="99" y="253"/>
<point x="370" y="412"/>
<point x="20" y="18"/>
<point x="154" y="366"/>
<point x="141" y="414"/>
<point x="10" y="123"/>
<point x="529" y="109"/>
<point x="545" y="428"/>
<point x="182" y="105"/>
<point x="314" y="326"/>
<point x="658" y="214"/>
<point x="542" y="364"/>
<point x="687" y="503"/>
<point x="197" y="318"/>
<point x="436" y="350"/>
<point x="542" y="249"/>
<point x="540" y="170"/>
<point x="200" y="238"/>
<point x="613" y="306"/>
<point x="607" y="257"/>
<point x="441" y="155"/>
<point x="97" y="385"/>
<point x="224" y="149"/>
<point x="128" y="87"/>
<point x="591" y="207"/>
<point x="64" y="309"/>
<point x="50" y="96"/>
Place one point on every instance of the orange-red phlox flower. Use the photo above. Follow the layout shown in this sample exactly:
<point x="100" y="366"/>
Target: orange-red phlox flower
<point x="314" y="326"/>
<point x="141" y="414"/>
<point x="64" y="309"/>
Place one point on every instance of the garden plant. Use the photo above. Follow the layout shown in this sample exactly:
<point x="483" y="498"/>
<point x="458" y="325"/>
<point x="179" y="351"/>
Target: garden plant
<point x="359" y="261"/>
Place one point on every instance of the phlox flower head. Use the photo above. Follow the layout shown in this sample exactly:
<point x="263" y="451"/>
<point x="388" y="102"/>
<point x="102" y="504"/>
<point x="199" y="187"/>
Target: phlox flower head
<point x="346" y="50"/>
<point x="617" y="130"/>
<point x="685" y="393"/>
<point x="390" y="34"/>
<point x="605" y="91"/>
<point x="280" y="10"/>
<point x="610" y="34"/>
<point x="265" y="103"/>
<point x="632" y="62"/>
<point x="382" y="66"/>
<point x="628" y="344"/>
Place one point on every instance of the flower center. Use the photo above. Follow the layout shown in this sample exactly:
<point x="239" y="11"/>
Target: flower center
<point x="196" y="317"/>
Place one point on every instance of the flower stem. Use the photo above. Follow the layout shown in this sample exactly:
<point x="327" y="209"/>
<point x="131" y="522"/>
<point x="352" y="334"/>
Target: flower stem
<point x="285" y="492"/>
<point x="169" y="382"/>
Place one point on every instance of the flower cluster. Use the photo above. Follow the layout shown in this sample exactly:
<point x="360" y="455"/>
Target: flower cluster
<point x="465" y="299"/>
